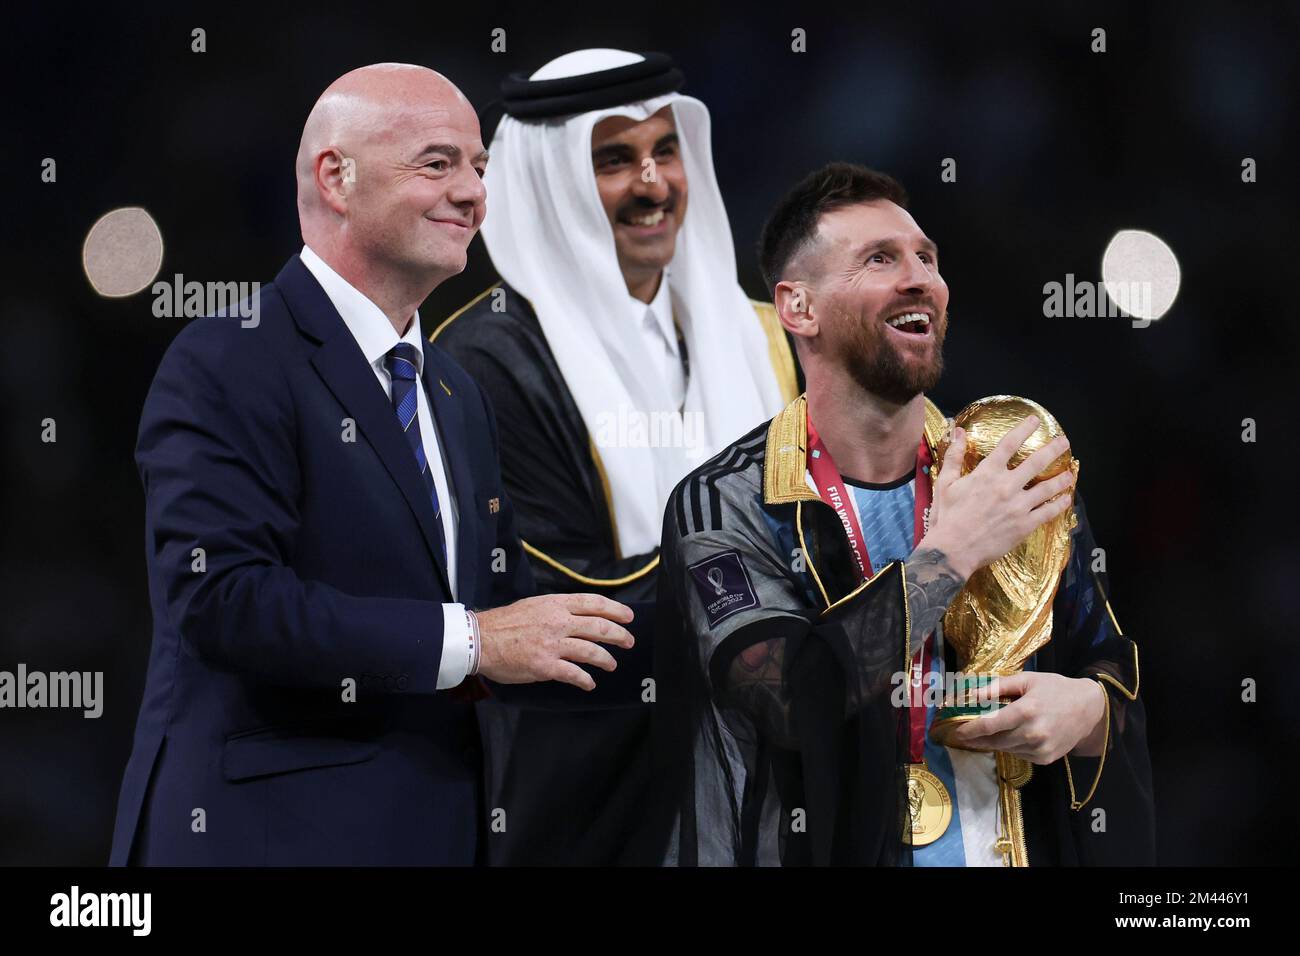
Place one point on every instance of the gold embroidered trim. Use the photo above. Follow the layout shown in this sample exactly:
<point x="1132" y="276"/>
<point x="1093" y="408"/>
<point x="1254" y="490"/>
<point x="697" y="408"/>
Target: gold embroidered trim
<point x="1075" y="802"/>
<point x="778" y="349"/>
<point x="1011" y="843"/>
<point x="584" y="579"/>
<point x="803" y="549"/>
<point x="1137" y="676"/>
<point x="464" y="308"/>
<point x="785" y="462"/>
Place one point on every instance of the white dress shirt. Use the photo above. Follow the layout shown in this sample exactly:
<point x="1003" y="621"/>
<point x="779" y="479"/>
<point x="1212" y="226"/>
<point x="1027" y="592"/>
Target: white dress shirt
<point x="662" y="349"/>
<point x="376" y="337"/>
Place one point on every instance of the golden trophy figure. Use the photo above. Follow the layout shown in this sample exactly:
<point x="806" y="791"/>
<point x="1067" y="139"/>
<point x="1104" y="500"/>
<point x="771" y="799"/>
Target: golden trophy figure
<point x="1004" y="613"/>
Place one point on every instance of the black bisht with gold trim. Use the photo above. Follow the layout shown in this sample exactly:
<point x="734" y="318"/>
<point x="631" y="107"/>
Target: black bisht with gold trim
<point x="573" y="779"/>
<point x="775" y="740"/>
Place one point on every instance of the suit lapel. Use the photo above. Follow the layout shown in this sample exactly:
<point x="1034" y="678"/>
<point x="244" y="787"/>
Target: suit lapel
<point x="344" y="369"/>
<point x="341" y="364"/>
<point x="449" y="417"/>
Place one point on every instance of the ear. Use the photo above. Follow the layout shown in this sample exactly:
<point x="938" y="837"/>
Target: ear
<point x="793" y="301"/>
<point x="335" y="176"/>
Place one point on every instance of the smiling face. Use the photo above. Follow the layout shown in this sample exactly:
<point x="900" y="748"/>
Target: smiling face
<point x="642" y="187"/>
<point x="881" y="305"/>
<point x="418" y="196"/>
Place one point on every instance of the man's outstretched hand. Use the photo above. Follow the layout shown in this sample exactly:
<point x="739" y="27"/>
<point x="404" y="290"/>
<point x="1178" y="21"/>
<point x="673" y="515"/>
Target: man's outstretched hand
<point x="546" y="637"/>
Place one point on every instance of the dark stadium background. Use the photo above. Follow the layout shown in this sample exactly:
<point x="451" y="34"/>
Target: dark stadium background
<point x="1057" y="149"/>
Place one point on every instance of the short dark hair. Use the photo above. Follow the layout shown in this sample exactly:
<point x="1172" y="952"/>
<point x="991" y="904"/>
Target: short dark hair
<point x="794" y="221"/>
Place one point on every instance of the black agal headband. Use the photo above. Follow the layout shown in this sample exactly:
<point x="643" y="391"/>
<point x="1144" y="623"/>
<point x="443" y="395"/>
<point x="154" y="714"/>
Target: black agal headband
<point x="528" y="99"/>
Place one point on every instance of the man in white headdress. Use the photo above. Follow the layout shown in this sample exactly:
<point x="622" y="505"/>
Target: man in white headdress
<point x="619" y="352"/>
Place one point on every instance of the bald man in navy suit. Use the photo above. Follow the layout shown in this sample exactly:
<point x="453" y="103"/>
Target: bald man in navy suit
<point x="333" y="565"/>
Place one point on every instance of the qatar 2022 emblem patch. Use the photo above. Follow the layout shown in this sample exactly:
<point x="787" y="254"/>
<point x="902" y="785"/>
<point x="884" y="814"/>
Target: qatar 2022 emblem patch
<point x="724" y="586"/>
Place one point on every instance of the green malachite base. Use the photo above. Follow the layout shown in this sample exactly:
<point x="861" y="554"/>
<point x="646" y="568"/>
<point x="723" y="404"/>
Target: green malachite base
<point x="953" y="715"/>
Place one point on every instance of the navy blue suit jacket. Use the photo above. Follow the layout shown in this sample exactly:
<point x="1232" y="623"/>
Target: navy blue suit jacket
<point x="318" y="565"/>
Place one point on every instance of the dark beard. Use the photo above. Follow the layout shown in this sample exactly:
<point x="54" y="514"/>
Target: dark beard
<point x="878" y="367"/>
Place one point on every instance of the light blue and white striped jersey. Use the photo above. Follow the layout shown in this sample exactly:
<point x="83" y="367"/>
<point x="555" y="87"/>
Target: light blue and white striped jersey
<point x="886" y="514"/>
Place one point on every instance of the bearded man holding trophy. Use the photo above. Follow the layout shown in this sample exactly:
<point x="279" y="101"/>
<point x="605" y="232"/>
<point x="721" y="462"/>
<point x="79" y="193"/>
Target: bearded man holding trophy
<point x="884" y="639"/>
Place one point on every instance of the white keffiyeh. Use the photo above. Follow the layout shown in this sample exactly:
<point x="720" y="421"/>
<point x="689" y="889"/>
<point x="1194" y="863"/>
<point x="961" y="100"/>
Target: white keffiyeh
<point x="550" y="238"/>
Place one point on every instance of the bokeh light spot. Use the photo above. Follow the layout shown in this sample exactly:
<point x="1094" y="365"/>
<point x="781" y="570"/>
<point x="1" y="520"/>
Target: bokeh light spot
<point x="1140" y="273"/>
<point x="122" y="252"/>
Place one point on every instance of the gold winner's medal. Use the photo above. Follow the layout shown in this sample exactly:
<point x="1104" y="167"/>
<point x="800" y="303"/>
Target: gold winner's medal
<point x="928" y="804"/>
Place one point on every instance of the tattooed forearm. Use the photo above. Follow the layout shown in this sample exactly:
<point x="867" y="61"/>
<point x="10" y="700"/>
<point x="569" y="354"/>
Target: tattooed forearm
<point x="931" y="585"/>
<point x="754" y="686"/>
<point x="756" y="677"/>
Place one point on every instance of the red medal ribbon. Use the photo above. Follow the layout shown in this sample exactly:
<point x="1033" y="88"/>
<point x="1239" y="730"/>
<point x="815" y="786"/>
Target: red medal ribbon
<point x="916" y="704"/>
<point x="833" y="491"/>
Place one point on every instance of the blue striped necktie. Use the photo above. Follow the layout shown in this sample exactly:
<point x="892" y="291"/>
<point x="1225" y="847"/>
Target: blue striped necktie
<point x="402" y="365"/>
